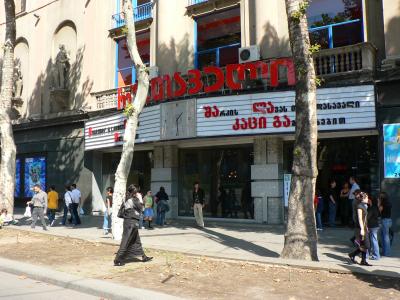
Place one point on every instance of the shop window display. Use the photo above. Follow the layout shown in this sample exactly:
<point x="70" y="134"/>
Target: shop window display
<point x="224" y="175"/>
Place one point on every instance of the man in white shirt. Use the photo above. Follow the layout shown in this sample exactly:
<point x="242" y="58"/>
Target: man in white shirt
<point x="76" y="200"/>
<point x="352" y="196"/>
<point x="67" y="204"/>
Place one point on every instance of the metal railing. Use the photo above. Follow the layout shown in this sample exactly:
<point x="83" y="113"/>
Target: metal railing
<point x="194" y="2"/>
<point x="345" y="59"/>
<point x="328" y="30"/>
<point x="215" y="51"/>
<point x="141" y="12"/>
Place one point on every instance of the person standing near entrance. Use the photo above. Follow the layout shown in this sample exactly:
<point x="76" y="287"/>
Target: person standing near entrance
<point x="76" y="200"/>
<point x="198" y="204"/>
<point x="39" y="202"/>
<point x="373" y="227"/>
<point x="67" y="205"/>
<point x="162" y="205"/>
<point x="352" y="199"/>
<point x="332" y="198"/>
<point x="385" y="207"/>
<point x="52" y="206"/>
<point x="107" y="213"/>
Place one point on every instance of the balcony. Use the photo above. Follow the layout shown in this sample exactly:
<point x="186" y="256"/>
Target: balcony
<point x="194" y="2"/>
<point x="352" y="59"/>
<point x="142" y="12"/>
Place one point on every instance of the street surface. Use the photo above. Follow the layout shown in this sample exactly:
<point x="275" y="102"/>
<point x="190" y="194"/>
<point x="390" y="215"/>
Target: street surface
<point x="14" y="287"/>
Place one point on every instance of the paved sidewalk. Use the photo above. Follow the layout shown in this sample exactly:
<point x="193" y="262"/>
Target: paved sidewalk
<point x="95" y="287"/>
<point x="250" y="242"/>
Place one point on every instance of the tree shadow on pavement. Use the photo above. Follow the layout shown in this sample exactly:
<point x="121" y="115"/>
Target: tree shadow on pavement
<point x="236" y="243"/>
<point x="381" y="279"/>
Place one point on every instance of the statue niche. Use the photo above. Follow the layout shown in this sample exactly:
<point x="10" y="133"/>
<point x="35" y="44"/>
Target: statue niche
<point x="16" y="100"/>
<point x="59" y="93"/>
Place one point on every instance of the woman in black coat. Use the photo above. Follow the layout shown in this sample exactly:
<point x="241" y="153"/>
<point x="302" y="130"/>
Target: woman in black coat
<point x="130" y="246"/>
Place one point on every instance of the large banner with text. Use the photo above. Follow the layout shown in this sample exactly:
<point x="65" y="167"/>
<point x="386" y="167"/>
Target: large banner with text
<point x="342" y="108"/>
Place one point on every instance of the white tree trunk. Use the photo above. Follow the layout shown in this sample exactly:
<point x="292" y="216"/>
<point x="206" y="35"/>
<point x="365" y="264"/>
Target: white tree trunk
<point x="124" y="165"/>
<point x="7" y="145"/>
<point x="301" y="235"/>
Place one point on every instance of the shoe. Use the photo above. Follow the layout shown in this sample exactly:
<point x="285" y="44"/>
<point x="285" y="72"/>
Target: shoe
<point x="142" y="227"/>
<point x="364" y="263"/>
<point x="146" y="258"/>
<point x="319" y="229"/>
<point x="352" y="259"/>
<point x="52" y="223"/>
<point x="118" y="263"/>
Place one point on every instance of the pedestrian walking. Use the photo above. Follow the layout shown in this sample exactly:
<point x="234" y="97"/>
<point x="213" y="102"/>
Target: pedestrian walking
<point x="344" y="204"/>
<point x="76" y="201"/>
<point x="362" y="236"/>
<point x="162" y="206"/>
<point x="332" y="198"/>
<point x="107" y="214"/>
<point x="39" y="203"/>
<point x="373" y="227"/>
<point x="148" y="208"/>
<point x="131" y="246"/>
<point x="67" y="205"/>
<point x="52" y="206"/>
<point x="385" y="208"/>
<point x="198" y="204"/>
<point x="140" y="197"/>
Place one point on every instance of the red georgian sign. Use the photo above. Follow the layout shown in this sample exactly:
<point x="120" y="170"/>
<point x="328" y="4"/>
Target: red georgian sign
<point x="232" y="77"/>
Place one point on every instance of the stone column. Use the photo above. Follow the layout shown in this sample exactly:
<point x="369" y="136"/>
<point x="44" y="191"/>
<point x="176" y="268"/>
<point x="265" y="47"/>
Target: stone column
<point x="165" y="173"/>
<point x="267" y="180"/>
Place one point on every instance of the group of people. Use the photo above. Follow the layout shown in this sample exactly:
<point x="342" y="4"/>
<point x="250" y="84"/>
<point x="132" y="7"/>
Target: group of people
<point x="370" y="217"/>
<point x="158" y="202"/>
<point x="43" y="203"/>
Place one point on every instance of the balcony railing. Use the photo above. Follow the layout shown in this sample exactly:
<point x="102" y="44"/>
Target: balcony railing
<point x="345" y="59"/>
<point x="213" y="54"/>
<point x="194" y="2"/>
<point x="141" y="12"/>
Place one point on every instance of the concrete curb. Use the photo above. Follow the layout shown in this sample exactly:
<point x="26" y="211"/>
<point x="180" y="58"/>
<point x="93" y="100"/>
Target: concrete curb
<point x="93" y="287"/>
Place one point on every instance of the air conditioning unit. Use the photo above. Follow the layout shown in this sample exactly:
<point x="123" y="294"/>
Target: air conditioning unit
<point x="247" y="54"/>
<point x="153" y="72"/>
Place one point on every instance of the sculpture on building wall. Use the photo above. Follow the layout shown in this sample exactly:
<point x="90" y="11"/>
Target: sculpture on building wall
<point x="62" y="68"/>
<point x="18" y="80"/>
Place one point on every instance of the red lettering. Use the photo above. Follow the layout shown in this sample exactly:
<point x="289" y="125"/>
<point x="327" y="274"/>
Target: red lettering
<point x="236" y="126"/>
<point x="244" y="124"/>
<point x="274" y="71"/>
<point x="116" y="137"/>
<point x="262" y="122"/>
<point x="157" y="89"/>
<point x="90" y="131"/>
<point x="195" y="81"/>
<point x="215" y="112"/>
<point x="230" y="79"/>
<point x="219" y="82"/>
<point x="252" y="123"/>
<point x="287" y="121"/>
<point x="254" y="67"/>
<point x="123" y="98"/>
<point x="271" y="107"/>
<point x="259" y="107"/>
<point x="181" y="90"/>
<point x="277" y="122"/>
<point x="207" y="111"/>
<point x="167" y="80"/>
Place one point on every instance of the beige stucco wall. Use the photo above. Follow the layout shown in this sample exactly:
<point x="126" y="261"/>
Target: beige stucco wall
<point x="391" y="11"/>
<point x="91" y="52"/>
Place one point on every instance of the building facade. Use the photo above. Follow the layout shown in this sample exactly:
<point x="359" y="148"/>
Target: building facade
<point x="221" y="104"/>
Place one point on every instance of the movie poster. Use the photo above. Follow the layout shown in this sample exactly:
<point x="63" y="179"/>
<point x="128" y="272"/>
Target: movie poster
<point x="17" y="191"/>
<point x="391" y="135"/>
<point x="35" y="173"/>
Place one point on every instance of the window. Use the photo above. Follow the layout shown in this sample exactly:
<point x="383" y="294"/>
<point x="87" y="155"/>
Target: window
<point x="218" y="39"/>
<point x="126" y="73"/>
<point x="335" y="23"/>
<point x="20" y="6"/>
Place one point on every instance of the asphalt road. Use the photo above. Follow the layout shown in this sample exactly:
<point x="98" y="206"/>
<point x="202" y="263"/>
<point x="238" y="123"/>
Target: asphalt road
<point x="21" y="288"/>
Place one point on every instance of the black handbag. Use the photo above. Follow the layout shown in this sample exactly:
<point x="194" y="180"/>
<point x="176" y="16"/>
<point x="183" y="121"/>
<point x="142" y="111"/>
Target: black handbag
<point x="122" y="211"/>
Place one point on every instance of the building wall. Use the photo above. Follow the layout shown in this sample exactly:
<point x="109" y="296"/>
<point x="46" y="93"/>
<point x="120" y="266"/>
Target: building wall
<point x="391" y="10"/>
